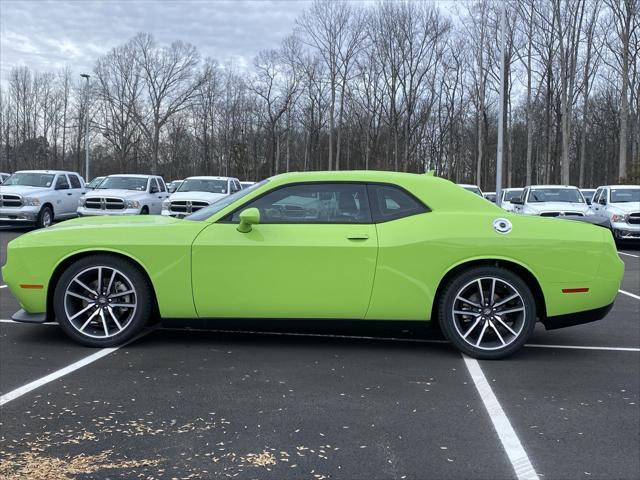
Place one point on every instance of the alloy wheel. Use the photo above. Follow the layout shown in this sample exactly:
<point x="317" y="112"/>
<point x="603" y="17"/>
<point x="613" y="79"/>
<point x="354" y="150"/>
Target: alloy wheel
<point x="489" y="313"/>
<point x="100" y="302"/>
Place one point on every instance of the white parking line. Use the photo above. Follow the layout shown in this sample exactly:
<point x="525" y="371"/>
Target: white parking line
<point x="629" y="254"/>
<point x="632" y="295"/>
<point x="18" y="392"/>
<point x="510" y="442"/>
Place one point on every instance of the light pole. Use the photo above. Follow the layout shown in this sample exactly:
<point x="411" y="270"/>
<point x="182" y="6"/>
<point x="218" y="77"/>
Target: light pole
<point x="501" y="110"/>
<point x="86" y="127"/>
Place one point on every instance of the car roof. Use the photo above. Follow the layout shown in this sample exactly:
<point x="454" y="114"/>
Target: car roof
<point x="132" y="175"/>
<point x="620" y="186"/>
<point x="510" y="189"/>
<point x="553" y="186"/>
<point x="52" y="172"/>
<point x="205" y="177"/>
<point x="468" y="185"/>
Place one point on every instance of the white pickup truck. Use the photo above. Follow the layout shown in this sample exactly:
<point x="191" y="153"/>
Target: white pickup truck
<point x="125" y="195"/>
<point x="551" y="201"/>
<point x="38" y="197"/>
<point x="195" y="193"/>
<point x="620" y="205"/>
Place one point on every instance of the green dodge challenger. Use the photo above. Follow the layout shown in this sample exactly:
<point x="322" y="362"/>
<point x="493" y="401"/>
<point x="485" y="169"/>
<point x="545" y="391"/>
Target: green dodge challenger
<point x="322" y="245"/>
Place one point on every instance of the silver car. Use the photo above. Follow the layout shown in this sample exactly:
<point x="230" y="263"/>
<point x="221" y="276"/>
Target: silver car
<point x="620" y="205"/>
<point x="552" y="201"/>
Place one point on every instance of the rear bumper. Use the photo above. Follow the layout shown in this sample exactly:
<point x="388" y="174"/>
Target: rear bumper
<point x="578" y="318"/>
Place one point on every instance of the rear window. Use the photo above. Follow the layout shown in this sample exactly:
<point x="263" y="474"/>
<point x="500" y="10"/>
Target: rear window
<point x="392" y="203"/>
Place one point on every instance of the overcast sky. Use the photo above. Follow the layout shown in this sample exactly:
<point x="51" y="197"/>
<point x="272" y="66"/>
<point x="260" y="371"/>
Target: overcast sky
<point x="47" y="34"/>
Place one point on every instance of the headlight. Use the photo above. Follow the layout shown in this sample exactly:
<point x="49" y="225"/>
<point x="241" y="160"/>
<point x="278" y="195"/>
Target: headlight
<point x="166" y="204"/>
<point x="617" y="218"/>
<point x="81" y="201"/>
<point x="132" y="204"/>
<point x="30" y="201"/>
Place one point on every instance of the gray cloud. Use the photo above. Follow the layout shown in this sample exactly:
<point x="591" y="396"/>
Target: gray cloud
<point x="48" y="34"/>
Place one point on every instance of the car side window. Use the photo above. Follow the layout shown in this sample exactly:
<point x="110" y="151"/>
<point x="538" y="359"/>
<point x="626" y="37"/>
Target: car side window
<point x="75" y="181"/>
<point x="161" y="184"/>
<point x="596" y="196"/>
<point x="62" y="183"/>
<point x="391" y="203"/>
<point x="334" y="203"/>
<point x="233" y="187"/>
<point x="154" y="186"/>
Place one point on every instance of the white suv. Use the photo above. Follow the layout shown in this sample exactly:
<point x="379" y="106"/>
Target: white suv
<point x="125" y="195"/>
<point x="552" y="201"/>
<point x="195" y="193"/>
<point x="508" y="196"/>
<point x="38" y="197"/>
<point x="620" y="205"/>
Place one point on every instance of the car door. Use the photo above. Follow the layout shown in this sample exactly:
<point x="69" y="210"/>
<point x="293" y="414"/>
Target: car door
<point x="595" y="207"/>
<point x="156" y="197"/>
<point x="65" y="204"/>
<point x="313" y="255"/>
<point x="76" y="191"/>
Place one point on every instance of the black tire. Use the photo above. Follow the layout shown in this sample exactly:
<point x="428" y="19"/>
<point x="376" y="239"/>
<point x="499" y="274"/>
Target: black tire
<point x="144" y="211"/>
<point x="137" y="320"/>
<point x="45" y="217"/>
<point x="479" y="321"/>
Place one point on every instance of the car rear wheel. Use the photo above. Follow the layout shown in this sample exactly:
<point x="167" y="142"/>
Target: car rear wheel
<point x="45" y="217"/>
<point x="102" y="301"/>
<point x="487" y="312"/>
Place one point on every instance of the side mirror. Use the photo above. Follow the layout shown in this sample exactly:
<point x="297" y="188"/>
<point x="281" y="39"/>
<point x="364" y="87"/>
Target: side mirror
<point x="602" y="201"/>
<point x="248" y="217"/>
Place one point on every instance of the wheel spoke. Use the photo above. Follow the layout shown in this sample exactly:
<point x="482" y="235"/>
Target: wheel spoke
<point x="82" y="297"/>
<point x="104" y="323"/>
<point x="89" y="319"/>
<point x="481" y="292"/>
<point x="508" y="299"/>
<point x="99" y="279"/>
<point x="493" y="291"/>
<point x="91" y="305"/>
<point x="511" y="310"/>
<point x="469" y="302"/>
<point x="484" y="328"/>
<point x="114" y="318"/>
<point x="505" y="325"/>
<point x="113" y="276"/>
<point x="120" y="294"/>
<point x="123" y="305"/>
<point x="88" y="289"/>
<point x="497" y="333"/>
<point x="472" y="327"/>
<point x="466" y="312"/>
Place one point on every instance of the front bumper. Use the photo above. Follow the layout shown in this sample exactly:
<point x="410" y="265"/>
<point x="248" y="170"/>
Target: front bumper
<point x="21" y="215"/>
<point x="94" y="212"/>
<point x="625" y="231"/>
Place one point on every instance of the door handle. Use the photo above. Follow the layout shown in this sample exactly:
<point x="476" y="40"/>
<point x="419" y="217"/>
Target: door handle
<point x="69" y="193"/>
<point x="361" y="236"/>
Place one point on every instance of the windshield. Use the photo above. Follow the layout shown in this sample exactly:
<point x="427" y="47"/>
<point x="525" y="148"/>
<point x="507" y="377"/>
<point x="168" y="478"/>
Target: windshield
<point x="30" y="179"/>
<point x="95" y="182"/>
<point x="124" y="183"/>
<point x="566" y="195"/>
<point x="625" y="195"/>
<point x="512" y="195"/>
<point x="475" y="190"/>
<point x="220" y="204"/>
<point x="203" y="185"/>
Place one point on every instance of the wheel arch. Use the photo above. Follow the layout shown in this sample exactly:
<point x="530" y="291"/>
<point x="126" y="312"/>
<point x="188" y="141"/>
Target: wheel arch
<point x="65" y="262"/>
<point x="519" y="269"/>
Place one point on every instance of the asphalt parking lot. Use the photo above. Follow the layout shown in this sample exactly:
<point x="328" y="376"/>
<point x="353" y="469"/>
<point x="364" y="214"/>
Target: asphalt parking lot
<point x="321" y="401"/>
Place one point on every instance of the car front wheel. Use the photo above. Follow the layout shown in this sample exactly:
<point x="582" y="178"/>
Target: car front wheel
<point x="102" y="301"/>
<point x="487" y="312"/>
<point x="45" y="217"/>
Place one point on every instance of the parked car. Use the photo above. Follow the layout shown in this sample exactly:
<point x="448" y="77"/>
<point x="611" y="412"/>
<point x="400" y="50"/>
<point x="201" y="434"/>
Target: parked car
<point x="39" y="197"/>
<point x="125" y="195"/>
<point x="472" y="188"/>
<point x="195" y="193"/>
<point x="491" y="196"/>
<point x="3" y="177"/>
<point x="246" y="184"/>
<point x="93" y="184"/>
<point x="335" y="245"/>
<point x="551" y="201"/>
<point x="620" y="205"/>
<point x="173" y="186"/>
<point x="508" y="195"/>
<point x="587" y="193"/>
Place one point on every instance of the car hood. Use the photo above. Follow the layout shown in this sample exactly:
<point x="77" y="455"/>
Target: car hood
<point x="197" y="196"/>
<point x="558" y="206"/>
<point x="23" y="189"/>
<point x="115" y="220"/>
<point x="625" y="207"/>
<point x="114" y="192"/>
